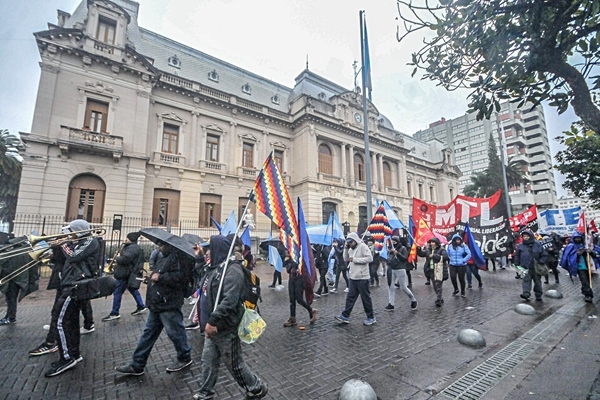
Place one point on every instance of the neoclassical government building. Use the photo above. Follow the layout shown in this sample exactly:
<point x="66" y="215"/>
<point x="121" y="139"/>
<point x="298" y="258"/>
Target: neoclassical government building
<point x="130" y="122"/>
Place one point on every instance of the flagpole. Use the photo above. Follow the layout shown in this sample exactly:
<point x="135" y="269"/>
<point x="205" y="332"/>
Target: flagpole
<point x="589" y="259"/>
<point x="365" y="116"/>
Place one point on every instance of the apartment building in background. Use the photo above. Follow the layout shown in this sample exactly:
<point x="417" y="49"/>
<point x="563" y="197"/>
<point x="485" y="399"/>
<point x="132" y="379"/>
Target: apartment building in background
<point x="519" y="132"/>
<point x="130" y="122"/>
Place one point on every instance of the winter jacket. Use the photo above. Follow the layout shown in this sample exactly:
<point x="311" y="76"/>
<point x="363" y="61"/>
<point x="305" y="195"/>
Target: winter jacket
<point x="166" y="294"/>
<point x="321" y="253"/>
<point x="570" y="258"/>
<point x="361" y="255"/>
<point x="82" y="261"/>
<point x="528" y="251"/>
<point x="398" y="258"/>
<point x="339" y="255"/>
<point x="458" y="256"/>
<point x="155" y="256"/>
<point x="12" y="264"/>
<point x="228" y="314"/>
<point x="130" y="261"/>
<point x="435" y="256"/>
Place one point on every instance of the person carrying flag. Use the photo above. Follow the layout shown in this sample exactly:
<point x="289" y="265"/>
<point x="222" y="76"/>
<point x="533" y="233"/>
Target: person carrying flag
<point x="575" y="260"/>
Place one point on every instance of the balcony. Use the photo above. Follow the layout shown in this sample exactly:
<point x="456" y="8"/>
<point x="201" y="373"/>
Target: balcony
<point x="213" y="166"/>
<point x="86" y="141"/>
<point x="168" y="158"/>
<point x="248" y="172"/>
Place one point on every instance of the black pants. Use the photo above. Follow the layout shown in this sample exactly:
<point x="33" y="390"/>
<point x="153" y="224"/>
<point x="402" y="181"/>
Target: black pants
<point x="344" y="272"/>
<point x="323" y="288"/>
<point x="373" y="274"/>
<point x="359" y="288"/>
<point x="276" y="277"/>
<point x="12" y="296"/>
<point x="88" y="314"/>
<point x="68" y="327"/>
<point x="459" y="271"/>
<point x="296" y="291"/>
<point x="584" y="278"/>
<point x="553" y="265"/>
<point x="52" y="336"/>
<point x="487" y="263"/>
<point x="409" y="277"/>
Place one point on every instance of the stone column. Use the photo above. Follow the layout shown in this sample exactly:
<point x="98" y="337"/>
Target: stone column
<point x="343" y="173"/>
<point x="374" y="172"/>
<point x="193" y="161"/>
<point x="231" y="163"/>
<point x="381" y="177"/>
<point x="351" y="158"/>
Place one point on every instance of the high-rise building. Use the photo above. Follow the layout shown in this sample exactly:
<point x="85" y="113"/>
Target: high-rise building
<point x="524" y="141"/>
<point x="130" y="122"/>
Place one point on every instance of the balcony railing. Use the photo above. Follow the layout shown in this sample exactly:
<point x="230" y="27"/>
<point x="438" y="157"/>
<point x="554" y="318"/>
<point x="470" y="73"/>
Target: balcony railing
<point x="90" y="137"/>
<point x="212" y="165"/>
<point x="248" y="172"/>
<point x="89" y="142"/>
<point x="168" y="158"/>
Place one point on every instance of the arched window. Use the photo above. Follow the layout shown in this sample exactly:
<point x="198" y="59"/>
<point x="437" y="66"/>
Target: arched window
<point x="359" y="168"/>
<point x="86" y="198"/>
<point x="387" y="175"/>
<point x="328" y="209"/>
<point x="325" y="160"/>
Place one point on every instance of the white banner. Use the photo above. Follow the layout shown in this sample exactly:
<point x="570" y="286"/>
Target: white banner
<point x="563" y="221"/>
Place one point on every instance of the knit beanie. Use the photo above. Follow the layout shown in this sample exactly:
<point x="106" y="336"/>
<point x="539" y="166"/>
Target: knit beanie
<point x="133" y="236"/>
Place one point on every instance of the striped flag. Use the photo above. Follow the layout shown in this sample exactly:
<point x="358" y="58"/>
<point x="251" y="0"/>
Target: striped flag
<point x="272" y="198"/>
<point x="380" y="227"/>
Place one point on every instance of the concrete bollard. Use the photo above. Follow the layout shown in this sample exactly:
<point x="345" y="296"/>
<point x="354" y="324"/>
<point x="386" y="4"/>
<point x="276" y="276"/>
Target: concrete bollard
<point x="553" y="294"/>
<point x="471" y="337"/>
<point x="525" y="309"/>
<point x="356" y="389"/>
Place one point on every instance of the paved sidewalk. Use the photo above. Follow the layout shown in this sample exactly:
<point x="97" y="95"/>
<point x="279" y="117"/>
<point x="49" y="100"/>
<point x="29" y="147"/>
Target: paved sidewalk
<point x="405" y="355"/>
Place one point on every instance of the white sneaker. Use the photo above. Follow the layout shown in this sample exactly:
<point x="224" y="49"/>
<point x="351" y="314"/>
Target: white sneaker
<point x="46" y="327"/>
<point x="84" y="331"/>
<point x="346" y="290"/>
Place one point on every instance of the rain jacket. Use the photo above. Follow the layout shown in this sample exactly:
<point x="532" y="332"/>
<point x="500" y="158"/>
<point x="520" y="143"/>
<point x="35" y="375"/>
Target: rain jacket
<point x="398" y="258"/>
<point x="570" y="257"/>
<point x="359" y="267"/>
<point x="166" y="294"/>
<point x="458" y="256"/>
<point x="528" y="251"/>
<point x="130" y="261"/>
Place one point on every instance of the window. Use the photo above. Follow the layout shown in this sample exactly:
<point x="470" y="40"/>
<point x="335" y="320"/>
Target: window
<point x="213" y="76"/>
<point x="362" y="219"/>
<point x="325" y="160"/>
<point x="210" y="206"/>
<point x="212" y="148"/>
<point x="420" y="190"/>
<point x="409" y="189"/>
<point x="86" y="198"/>
<point x="431" y="198"/>
<point x="106" y="30"/>
<point x="165" y="207"/>
<point x="247" y="154"/>
<point x="451" y="194"/>
<point x="170" y="138"/>
<point x="275" y="99"/>
<point x="359" y="168"/>
<point x="387" y="175"/>
<point x="96" y="116"/>
<point x="328" y="209"/>
<point x="247" y="89"/>
<point x="278" y="155"/>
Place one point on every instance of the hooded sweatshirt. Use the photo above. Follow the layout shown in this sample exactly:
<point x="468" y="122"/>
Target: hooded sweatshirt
<point x="458" y="254"/>
<point x="570" y="260"/>
<point x="361" y="257"/>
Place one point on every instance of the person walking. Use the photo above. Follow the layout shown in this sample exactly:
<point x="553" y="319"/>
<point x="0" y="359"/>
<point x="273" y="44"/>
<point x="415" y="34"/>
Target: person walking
<point x="575" y="260"/>
<point x="374" y="264"/>
<point x="321" y="253"/>
<point x="341" y="268"/>
<point x="528" y="253"/>
<point x="358" y="255"/>
<point x="220" y="323"/>
<point x="458" y="256"/>
<point x="436" y="263"/>
<point x="129" y="265"/>
<point x="473" y="270"/>
<point x="551" y="245"/>
<point x="13" y="287"/>
<point x="164" y="297"/>
<point x="296" y="291"/>
<point x="397" y="267"/>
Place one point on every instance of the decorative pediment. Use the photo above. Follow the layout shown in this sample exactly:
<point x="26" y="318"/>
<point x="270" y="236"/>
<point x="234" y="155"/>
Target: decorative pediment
<point x="248" y="136"/>
<point x="278" y="145"/>
<point x="172" y="117"/>
<point x="99" y="86"/>
<point x="214" y="128"/>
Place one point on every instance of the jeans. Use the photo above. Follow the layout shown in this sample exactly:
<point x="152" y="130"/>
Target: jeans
<point x="344" y="272"/>
<point x="118" y="295"/>
<point x="225" y="348"/>
<point x="473" y="270"/>
<point x="359" y="287"/>
<point x="276" y="277"/>
<point x="172" y="321"/>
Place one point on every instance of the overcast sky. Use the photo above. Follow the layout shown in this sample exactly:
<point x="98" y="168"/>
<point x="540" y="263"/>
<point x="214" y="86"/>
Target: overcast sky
<point x="271" y="38"/>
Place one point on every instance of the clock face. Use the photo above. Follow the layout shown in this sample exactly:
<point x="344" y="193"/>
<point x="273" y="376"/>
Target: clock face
<point x="358" y="117"/>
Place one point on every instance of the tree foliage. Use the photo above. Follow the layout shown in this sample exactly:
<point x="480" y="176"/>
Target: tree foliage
<point x="488" y="181"/>
<point x="10" y="175"/>
<point x="579" y="162"/>
<point x="522" y="50"/>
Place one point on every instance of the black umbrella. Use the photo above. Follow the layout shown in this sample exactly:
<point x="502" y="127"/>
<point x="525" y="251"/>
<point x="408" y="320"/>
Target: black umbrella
<point x="275" y="242"/>
<point x="193" y="239"/>
<point x="178" y="243"/>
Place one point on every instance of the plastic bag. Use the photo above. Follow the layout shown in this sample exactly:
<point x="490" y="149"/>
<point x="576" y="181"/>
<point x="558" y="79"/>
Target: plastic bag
<point x="251" y="326"/>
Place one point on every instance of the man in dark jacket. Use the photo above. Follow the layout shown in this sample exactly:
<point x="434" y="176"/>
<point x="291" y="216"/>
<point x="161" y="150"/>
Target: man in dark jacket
<point x="82" y="256"/>
<point x="164" y="298"/>
<point x="221" y="322"/>
<point x="18" y="283"/>
<point x="528" y="253"/>
<point x="397" y="266"/>
<point x="436" y="265"/>
<point x="130" y="264"/>
<point x="321" y="253"/>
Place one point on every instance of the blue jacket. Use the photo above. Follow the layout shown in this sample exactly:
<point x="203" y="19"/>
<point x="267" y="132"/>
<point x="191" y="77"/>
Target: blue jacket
<point x="528" y="251"/>
<point x="458" y="255"/>
<point x="569" y="257"/>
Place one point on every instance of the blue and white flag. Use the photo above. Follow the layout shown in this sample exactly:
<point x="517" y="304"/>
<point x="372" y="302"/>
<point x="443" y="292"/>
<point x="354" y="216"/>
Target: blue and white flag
<point x="274" y="258"/>
<point x="563" y="221"/>
<point x="230" y="226"/>
<point x="246" y="237"/>
<point x="392" y="217"/>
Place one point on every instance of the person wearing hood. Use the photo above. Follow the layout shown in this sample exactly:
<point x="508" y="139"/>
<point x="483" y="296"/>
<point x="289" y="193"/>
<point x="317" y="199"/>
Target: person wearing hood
<point x="341" y="268"/>
<point x="458" y="256"/>
<point x="18" y="284"/>
<point x="575" y="260"/>
<point x="130" y="262"/>
<point x="164" y="298"/>
<point x="436" y="262"/>
<point x="220" y="323"/>
<point x="397" y="266"/>
<point x="358" y="256"/>
<point x="527" y="254"/>
<point x="296" y="290"/>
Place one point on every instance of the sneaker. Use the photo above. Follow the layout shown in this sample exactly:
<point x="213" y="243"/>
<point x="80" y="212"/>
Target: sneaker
<point x="139" y="311"/>
<point x="129" y="370"/>
<point x="480" y="285"/>
<point x="455" y="293"/>
<point x="526" y="298"/>
<point x="110" y="317"/>
<point x="469" y="287"/>
<point x="346" y="290"/>
<point x="85" y="330"/>
<point x="369" y="321"/>
<point x="258" y="395"/>
<point x="179" y="365"/>
<point x="46" y="327"/>
<point x="6" y="321"/>
<point x="192" y="326"/>
<point x="325" y="293"/>
<point x="438" y="303"/>
<point x="79" y="359"/>
<point x="313" y="316"/>
<point x="318" y="295"/>
<point x="44" y="348"/>
<point x="333" y="290"/>
<point x="193" y="301"/>
<point x="342" y="319"/>
<point x="589" y="299"/>
<point x="271" y="286"/>
<point x="408" y="286"/>
<point x="538" y="299"/>
<point x="428" y="283"/>
<point x="397" y="284"/>
<point x="413" y="305"/>
<point x="389" y="307"/>
<point x="60" y="367"/>
<point x="462" y="294"/>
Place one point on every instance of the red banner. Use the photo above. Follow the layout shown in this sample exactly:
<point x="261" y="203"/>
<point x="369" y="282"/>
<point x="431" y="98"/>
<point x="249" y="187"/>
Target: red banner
<point x="487" y="220"/>
<point x="527" y="218"/>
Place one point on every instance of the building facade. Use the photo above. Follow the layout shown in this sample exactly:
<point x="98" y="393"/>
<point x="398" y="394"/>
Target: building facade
<point x="570" y="201"/>
<point x="130" y="122"/>
<point x="524" y="141"/>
